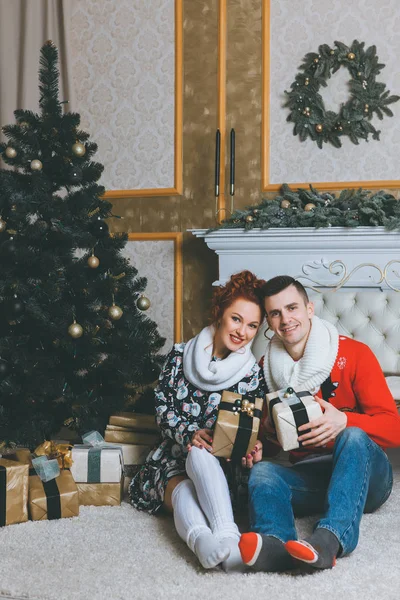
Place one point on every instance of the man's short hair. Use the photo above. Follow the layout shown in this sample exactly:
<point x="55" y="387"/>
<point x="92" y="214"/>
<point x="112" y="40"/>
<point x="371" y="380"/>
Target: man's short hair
<point x="281" y="282"/>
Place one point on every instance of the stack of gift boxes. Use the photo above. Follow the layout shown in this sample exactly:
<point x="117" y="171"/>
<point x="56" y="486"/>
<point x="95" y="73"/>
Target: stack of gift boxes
<point x="136" y="434"/>
<point x="57" y="478"/>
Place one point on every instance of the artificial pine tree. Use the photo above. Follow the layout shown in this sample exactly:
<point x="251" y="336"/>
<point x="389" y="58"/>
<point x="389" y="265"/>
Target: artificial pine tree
<point x="73" y="343"/>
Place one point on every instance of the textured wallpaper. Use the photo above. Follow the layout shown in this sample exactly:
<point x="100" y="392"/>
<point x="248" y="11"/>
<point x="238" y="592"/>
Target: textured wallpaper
<point x="123" y="57"/>
<point x="300" y="27"/>
<point x="155" y="260"/>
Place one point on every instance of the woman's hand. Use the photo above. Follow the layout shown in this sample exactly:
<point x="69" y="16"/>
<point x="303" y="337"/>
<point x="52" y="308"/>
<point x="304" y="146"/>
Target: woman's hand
<point x="202" y="439"/>
<point x="254" y="456"/>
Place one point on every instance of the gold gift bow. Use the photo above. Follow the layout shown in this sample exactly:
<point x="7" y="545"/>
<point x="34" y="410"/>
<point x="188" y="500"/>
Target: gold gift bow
<point x="62" y="452"/>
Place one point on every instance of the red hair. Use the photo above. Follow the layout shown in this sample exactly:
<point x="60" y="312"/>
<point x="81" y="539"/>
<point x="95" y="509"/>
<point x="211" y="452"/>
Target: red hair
<point x="241" y="285"/>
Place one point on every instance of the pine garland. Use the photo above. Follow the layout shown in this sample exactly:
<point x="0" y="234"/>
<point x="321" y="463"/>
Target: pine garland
<point x="367" y="96"/>
<point x="309" y="208"/>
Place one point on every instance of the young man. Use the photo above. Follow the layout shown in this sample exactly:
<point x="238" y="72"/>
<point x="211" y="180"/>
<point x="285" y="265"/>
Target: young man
<point x="341" y="469"/>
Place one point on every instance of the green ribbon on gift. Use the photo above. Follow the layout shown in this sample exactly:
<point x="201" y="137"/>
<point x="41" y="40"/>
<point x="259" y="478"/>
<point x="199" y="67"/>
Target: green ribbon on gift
<point x="94" y="464"/>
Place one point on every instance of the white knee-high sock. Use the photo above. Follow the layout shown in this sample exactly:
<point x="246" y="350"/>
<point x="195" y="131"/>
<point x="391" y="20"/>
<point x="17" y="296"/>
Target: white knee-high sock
<point x="213" y="494"/>
<point x="212" y="491"/>
<point x="192" y="526"/>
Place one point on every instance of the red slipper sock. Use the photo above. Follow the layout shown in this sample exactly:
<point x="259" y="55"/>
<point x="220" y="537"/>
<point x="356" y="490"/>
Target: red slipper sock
<point x="319" y="551"/>
<point x="264" y="553"/>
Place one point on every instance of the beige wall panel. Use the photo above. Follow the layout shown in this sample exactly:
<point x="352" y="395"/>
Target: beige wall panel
<point x="300" y="27"/>
<point x="243" y="97"/>
<point x="197" y="205"/>
<point x="123" y="56"/>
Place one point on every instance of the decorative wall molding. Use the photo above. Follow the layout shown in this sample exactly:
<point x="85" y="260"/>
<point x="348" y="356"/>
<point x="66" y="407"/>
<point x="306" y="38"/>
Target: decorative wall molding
<point x="290" y="30"/>
<point x="158" y="257"/>
<point x="127" y="63"/>
<point x="327" y="257"/>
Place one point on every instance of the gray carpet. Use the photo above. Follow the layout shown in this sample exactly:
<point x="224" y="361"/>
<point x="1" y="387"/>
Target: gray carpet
<point x="117" y="553"/>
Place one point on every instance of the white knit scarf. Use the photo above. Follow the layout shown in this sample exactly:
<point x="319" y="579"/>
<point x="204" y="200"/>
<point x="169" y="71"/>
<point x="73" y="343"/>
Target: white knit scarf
<point x="312" y="369"/>
<point x="209" y="375"/>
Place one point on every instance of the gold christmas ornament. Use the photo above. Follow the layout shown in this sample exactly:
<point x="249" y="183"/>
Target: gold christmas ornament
<point x="316" y="60"/>
<point x="78" y="149"/>
<point x="285" y="204"/>
<point x="115" y="312"/>
<point x="36" y="165"/>
<point x="10" y="152"/>
<point x="23" y="124"/>
<point x="351" y="56"/>
<point x="307" y="81"/>
<point x="318" y="127"/>
<point x="75" y="330"/>
<point x="309" y="206"/>
<point x="93" y="262"/>
<point x="3" y="225"/>
<point x="249" y="219"/>
<point x="143" y="303"/>
<point x="332" y="52"/>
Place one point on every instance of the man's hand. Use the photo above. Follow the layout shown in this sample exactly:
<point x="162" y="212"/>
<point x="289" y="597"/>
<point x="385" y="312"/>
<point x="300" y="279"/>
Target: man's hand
<point x="202" y="439"/>
<point x="253" y="457"/>
<point x="324" y="429"/>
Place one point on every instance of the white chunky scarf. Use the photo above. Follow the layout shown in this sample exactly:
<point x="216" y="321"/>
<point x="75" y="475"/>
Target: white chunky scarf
<point x="209" y="375"/>
<point x="312" y="369"/>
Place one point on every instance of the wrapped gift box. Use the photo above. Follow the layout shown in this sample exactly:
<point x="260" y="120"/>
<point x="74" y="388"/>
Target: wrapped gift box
<point x="101" y="494"/>
<point x="22" y="455"/>
<point x="134" y="454"/>
<point x="236" y="429"/>
<point x="97" y="464"/>
<point x="288" y="409"/>
<point x="134" y="421"/>
<point x="14" y="482"/>
<point x="121" y="435"/>
<point x="53" y="499"/>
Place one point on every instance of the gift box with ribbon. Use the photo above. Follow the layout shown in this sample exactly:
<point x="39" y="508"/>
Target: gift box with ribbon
<point x="13" y="492"/>
<point x="22" y="455"/>
<point x="101" y="494"/>
<point x="288" y="409"/>
<point x="54" y="499"/>
<point x="96" y="461"/>
<point x="135" y="421"/>
<point x="236" y="429"/>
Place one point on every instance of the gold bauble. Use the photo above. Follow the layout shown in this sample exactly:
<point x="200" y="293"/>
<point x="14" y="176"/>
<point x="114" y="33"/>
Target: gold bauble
<point x="3" y="225"/>
<point x="75" y="330"/>
<point x="351" y="56"/>
<point x="10" y="152"/>
<point x="316" y="60"/>
<point x="249" y="219"/>
<point x="319" y="127"/>
<point x="36" y="165"/>
<point x="23" y="124"/>
<point x="332" y="52"/>
<point x="285" y="204"/>
<point x="93" y="262"/>
<point x="309" y="206"/>
<point x="143" y="303"/>
<point x="78" y="149"/>
<point x="115" y="312"/>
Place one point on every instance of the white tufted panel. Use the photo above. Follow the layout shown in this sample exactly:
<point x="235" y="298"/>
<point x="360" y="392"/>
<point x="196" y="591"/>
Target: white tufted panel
<point x="372" y="317"/>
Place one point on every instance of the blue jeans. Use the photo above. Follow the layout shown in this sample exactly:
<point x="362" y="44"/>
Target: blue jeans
<point x="356" y="478"/>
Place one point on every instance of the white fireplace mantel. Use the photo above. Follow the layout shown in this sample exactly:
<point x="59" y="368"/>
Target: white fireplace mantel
<point x="325" y="257"/>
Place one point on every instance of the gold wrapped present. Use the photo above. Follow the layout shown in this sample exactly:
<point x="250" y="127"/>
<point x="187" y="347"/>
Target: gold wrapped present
<point x="121" y="435"/>
<point x="134" y="421"/>
<point x="236" y="430"/>
<point x="288" y="409"/>
<point x="101" y="494"/>
<point x="54" y="499"/>
<point x="14" y="483"/>
<point x="22" y="455"/>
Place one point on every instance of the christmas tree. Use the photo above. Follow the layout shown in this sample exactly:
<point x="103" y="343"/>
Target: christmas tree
<point x="74" y="344"/>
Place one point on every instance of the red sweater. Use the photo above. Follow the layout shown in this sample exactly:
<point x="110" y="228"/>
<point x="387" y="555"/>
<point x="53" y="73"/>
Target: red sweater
<point x="358" y="387"/>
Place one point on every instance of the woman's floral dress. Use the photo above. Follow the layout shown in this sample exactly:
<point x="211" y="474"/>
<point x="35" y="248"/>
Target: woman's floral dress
<point x="181" y="409"/>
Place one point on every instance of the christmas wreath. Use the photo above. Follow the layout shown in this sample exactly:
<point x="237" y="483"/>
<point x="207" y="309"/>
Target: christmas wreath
<point x="309" y="208"/>
<point x="367" y="96"/>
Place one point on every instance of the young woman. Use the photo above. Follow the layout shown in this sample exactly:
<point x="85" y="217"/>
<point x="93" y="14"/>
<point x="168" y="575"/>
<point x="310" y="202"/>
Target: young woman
<point x="181" y="474"/>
